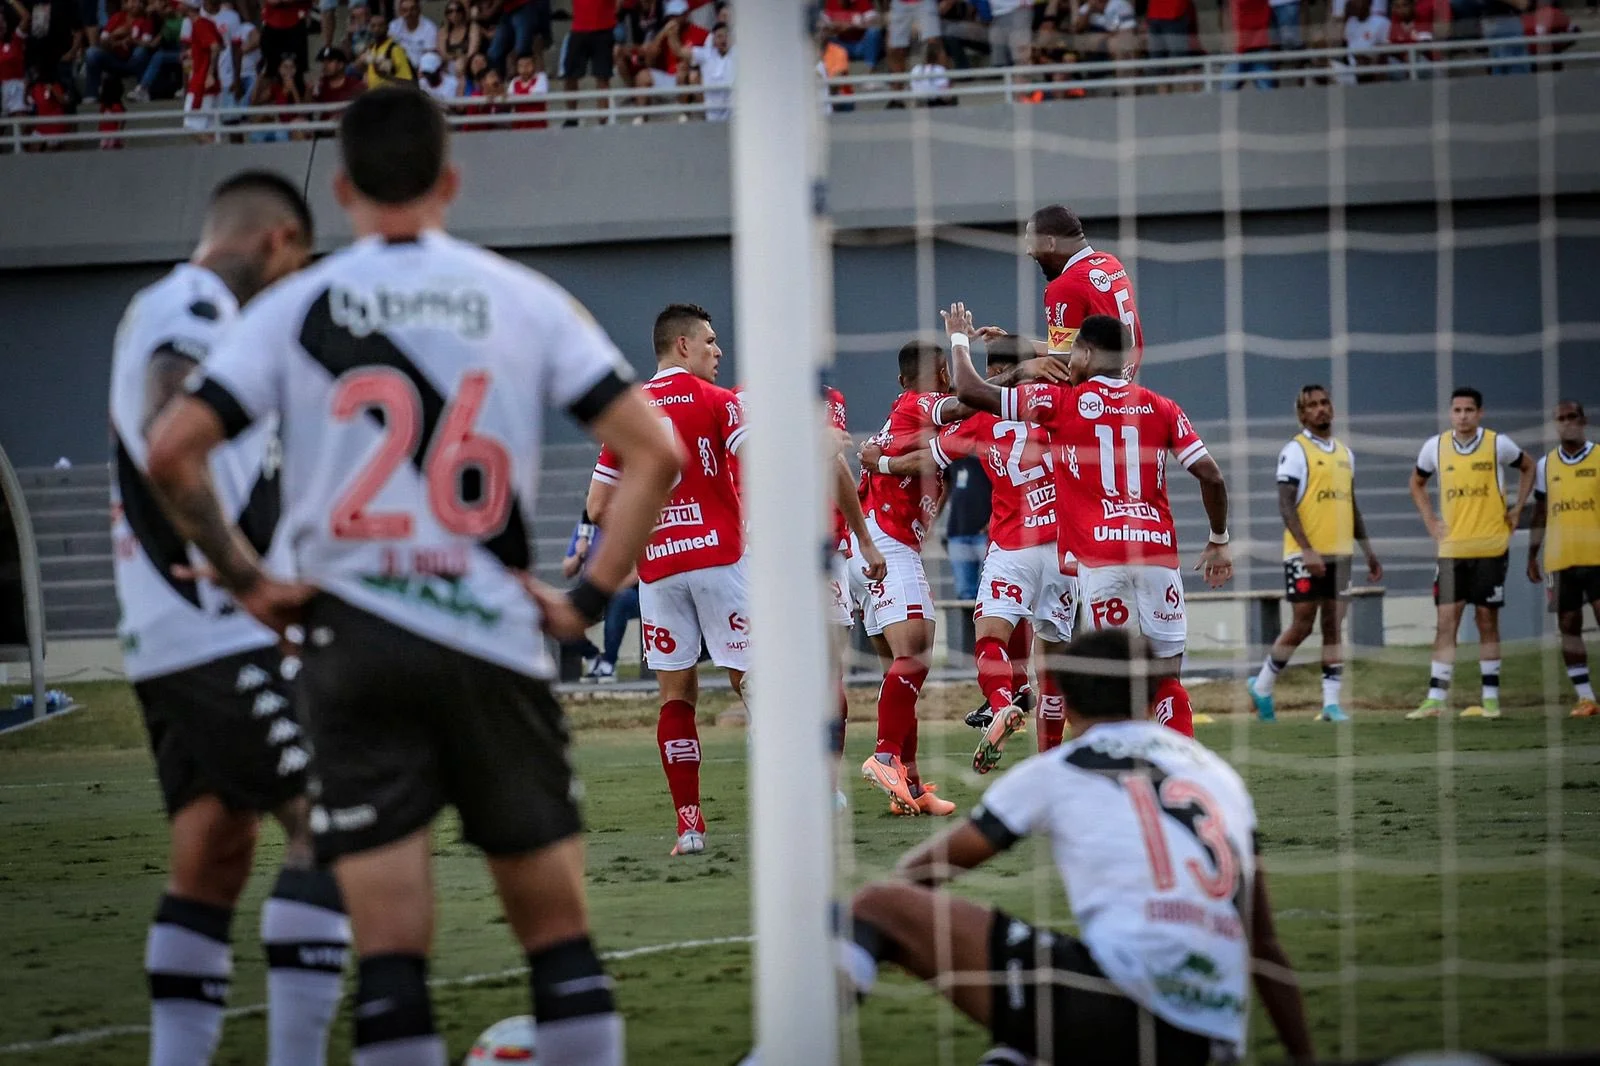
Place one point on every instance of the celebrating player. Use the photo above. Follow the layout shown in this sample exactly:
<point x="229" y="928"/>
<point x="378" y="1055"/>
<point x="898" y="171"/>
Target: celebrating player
<point x="208" y="676"/>
<point x="1321" y="526"/>
<point x="1473" y="533"/>
<point x="692" y="582"/>
<point x="408" y="373"/>
<point x="1022" y="574"/>
<point x="1154" y="837"/>
<point x="901" y="510"/>
<point x="1110" y="441"/>
<point x="1566" y="524"/>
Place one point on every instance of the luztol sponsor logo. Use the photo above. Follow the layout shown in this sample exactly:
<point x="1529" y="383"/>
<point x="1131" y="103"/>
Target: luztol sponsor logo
<point x="1133" y="536"/>
<point x="680" y="545"/>
<point x="465" y="311"/>
<point x="1041" y="496"/>
<point x="1135" y="509"/>
<point x="680" y="514"/>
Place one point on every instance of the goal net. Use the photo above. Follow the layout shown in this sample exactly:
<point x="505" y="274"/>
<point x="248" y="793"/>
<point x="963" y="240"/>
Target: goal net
<point x="1434" y="880"/>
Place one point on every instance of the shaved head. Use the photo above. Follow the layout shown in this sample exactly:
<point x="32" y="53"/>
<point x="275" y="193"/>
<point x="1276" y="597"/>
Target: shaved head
<point x="257" y="229"/>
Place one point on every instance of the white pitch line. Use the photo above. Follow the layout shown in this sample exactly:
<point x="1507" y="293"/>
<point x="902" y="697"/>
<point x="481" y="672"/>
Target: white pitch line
<point x="110" y="1032"/>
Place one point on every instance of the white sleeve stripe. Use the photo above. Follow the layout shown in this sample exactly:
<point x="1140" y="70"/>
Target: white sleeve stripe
<point x="938" y="410"/>
<point x="1008" y="405"/>
<point x="1193" y="456"/>
<point x="606" y="475"/>
<point x="1197" y="446"/>
<point x="736" y="439"/>
<point x="940" y="459"/>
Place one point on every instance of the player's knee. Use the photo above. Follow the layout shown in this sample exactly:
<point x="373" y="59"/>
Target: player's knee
<point x="1488" y="620"/>
<point x="212" y="851"/>
<point x="879" y="903"/>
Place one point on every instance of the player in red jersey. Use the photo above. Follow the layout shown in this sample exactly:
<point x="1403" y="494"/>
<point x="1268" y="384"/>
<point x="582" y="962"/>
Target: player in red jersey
<point x="1022" y="579"/>
<point x="1110" y="439"/>
<point x="900" y="511"/>
<point x="692" y="583"/>
<point x="1079" y="282"/>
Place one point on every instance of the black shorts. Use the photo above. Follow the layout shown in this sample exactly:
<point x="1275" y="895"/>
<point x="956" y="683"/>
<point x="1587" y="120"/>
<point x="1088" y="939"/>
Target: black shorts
<point x="226" y="728"/>
<point x="1479" y="582"/>
<point x="588" y="52"/>
<point x="1300" y="585"/>
<point x="1085" y="1025"/>
<point x="1573" y="587"/>
<point x="403" y="726"/>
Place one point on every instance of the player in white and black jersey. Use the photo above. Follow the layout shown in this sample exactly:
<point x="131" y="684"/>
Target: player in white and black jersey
<point x="409" y="373"/>
<point x="207" y="675"/>
<point x="1154" y="837"/>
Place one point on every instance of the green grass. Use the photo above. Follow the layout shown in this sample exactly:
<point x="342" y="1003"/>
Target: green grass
<point x="84" y="851"/>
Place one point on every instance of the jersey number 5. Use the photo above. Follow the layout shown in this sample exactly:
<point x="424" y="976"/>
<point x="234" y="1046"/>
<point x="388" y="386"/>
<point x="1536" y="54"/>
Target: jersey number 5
<point x="455" y="450"/>
<point x="1175" y="794"/>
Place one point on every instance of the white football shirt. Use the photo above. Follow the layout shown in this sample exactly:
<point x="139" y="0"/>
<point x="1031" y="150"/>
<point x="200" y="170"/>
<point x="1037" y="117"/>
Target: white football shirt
<point x="1154" y="838"/>
<point x="167" y="624"/>
<point x="410" y="381"/>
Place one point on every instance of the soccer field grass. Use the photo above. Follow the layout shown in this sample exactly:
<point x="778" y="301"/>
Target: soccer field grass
<point x="84" y="851"/>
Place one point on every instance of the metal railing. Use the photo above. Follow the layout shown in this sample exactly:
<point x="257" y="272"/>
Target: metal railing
<point x="1019" y="85"/>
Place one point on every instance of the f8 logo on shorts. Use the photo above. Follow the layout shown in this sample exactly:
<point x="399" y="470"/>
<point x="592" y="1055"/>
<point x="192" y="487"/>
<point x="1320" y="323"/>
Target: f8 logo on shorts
<point x="684" y="749"/>
<point x="658" y="638"/>
<point x="1111" y="613"/>
<point x="1004" y="590"/>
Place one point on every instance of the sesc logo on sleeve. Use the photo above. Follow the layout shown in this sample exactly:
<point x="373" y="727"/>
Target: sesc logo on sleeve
<point x="1060" y="338"/>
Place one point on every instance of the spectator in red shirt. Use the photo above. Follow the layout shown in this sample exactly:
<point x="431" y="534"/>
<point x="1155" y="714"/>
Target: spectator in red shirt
<point x="13" y="68"/>
<point x="47" y="99"/>
<point x="284" y="31"/>
<point x="531" y="81"/>
<point x="204" y="92"/>
<point x="280" y="87"/>
<point x="1251" y="23"/>
<point x="1171" y="25"/>
<point x="111" y="106"/>
<point x="126" y="43"/>
<point x="1547" y="20"/>
<point x="857" y="27"/>
<point x="589" y="48"/>
<point x="492" y="91"/>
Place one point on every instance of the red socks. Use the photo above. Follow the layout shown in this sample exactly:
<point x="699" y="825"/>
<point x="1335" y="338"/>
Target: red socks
<point x="1020" y="648"/>
<point x="897" y="706"/>
<point x="1052" y="716"/>
<point x="1171" y="707"/>
<point x="995" y="672"/>
<point x="680" y="758"/>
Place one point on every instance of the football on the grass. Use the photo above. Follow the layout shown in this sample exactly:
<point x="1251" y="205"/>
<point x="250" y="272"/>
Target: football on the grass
<point x="508" y="1040"/>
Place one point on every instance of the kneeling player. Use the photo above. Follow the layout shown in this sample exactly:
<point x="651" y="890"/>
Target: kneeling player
<point x="1155" y="840"/>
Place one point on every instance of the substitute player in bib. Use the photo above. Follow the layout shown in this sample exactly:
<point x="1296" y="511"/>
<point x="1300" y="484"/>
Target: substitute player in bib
<point x="1022" y="579"/>
<point x="900" y="512"/>
<point x="1154" y="838"/>
<point x="209" y="677"/>
<point x="1566" y="525"/>
<point x="1473" y="532"/>
<point x="1322" y="524"/>
<point x="1110" y="440"/>
<point x="692" y="583"/>
<point x="409" y="373"/>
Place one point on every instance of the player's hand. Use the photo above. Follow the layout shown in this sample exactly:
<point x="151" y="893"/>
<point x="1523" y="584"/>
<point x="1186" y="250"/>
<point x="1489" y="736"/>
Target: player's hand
<point x="557" y="616"/>
<point x="573" y="563"/>
<point x="843" y="442"/>
<point x="1044" y="368"/>
<point x="1313" y="563"/>
<point x="1535" y="575"/>
<point x="870" y="454"/>
<point x="1215" y="565"/>
<point x="275" y="604"/>
<point x="1513" y="516"/>
<point x="989" y="333"/>
<point x="1437" y="529"/>
<point x="876" y="568"/>
<point x="1374" y="569"/>
<point x="958" y="319"/>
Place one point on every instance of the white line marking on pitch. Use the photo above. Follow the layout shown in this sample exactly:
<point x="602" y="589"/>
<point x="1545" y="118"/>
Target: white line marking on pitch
<point x="93" y="1036"/>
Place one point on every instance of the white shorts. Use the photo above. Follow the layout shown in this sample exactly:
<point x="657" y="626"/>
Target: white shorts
<point x="903" y="594"/>
<point x="1028" y="583"/>
<point x="1152" y="595"/>
<point x="200" y="113"/>
<point x="13" y="96"/>
<point x="677" y="612"/>
<point x="904" y="15"/>
<point x="840" y="602"/>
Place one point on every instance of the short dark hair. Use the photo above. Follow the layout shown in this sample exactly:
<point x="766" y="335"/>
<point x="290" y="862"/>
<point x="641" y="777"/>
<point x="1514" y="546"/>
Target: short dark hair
<point x="394" y="144"/>
<point x="674" y="321"/>
<point x="1057" y="220"/>
<point x="1104" y="674"/>
<point x="269" y="185"/>
<point x="1468" y="393"/>
<point x="1573" y="403"/>
<point x="1105" y="334"/>
<point x="1305" y="395"/>
<point x="914" y="355"/>
<point x="1007" y="350"/>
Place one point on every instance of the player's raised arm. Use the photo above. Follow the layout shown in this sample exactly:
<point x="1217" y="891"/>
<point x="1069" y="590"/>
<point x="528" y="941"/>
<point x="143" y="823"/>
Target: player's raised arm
<point x="1274" y="976"/>
<point x="916" y="463"/>
<point x="969" y="385"/>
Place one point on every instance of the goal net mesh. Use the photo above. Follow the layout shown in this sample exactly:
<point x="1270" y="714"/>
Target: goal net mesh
<point x="1435" y="881"/>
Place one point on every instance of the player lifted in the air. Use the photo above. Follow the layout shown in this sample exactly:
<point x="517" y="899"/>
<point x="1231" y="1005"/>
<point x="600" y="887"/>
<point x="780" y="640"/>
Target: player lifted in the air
<point x="1110" y="440"/>
<point x="900" y="511"/>
<point x="692" y="583"/>
<point x="1023" y="576"/>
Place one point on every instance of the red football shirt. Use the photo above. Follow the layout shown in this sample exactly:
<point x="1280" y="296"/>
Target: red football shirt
<point x="702" y="524"/>
<point x="901" y="505"/>
<point x="591" y="16"/>
<point x="1093" y="283"/>
<point x="1016" y="456"/>
<point x="1252" y="25"/>
<point x="1110" y="440"/>
<point x="203" y="35"/>
<point x="13" y="63"/>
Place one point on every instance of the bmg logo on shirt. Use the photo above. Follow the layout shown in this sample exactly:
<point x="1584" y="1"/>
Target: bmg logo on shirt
<point x="466" y="311"/>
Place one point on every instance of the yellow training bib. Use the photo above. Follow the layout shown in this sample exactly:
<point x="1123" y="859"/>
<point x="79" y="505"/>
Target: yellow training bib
<point x="1572" y="516"/>
<point x="1470" y="500"/>
<point x="1327" y="506"/>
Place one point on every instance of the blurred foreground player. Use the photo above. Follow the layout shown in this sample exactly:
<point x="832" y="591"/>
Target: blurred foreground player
<point x="209" y="677"/>
<point x="409" y="373"/>
<point x="1154" y="837"/>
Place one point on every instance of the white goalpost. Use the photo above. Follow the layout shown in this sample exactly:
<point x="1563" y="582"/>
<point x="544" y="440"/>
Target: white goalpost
<point x="780" y="309"/>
